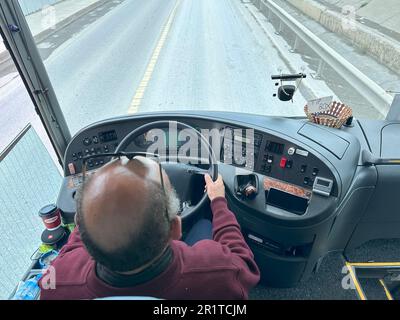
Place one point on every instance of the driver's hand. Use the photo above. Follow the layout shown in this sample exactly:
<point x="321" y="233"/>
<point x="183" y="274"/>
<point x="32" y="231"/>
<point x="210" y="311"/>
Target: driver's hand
<point x="214" y="189"/>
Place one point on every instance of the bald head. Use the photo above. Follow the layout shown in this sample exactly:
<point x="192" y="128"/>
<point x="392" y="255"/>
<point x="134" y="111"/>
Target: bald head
<point x="122" y="214"/>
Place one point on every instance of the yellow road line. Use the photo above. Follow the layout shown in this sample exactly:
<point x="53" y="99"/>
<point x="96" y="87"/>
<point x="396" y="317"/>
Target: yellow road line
<point x="141" y="90"/>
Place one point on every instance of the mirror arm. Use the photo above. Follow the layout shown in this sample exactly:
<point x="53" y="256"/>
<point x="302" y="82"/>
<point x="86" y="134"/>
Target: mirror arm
<point x="368" y="159"/>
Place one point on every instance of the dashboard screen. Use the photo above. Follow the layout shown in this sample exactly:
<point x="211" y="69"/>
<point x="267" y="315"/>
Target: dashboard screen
<point x="274" y="147"/>
<point x="168" y="140"/>
<point x="108" y="136"/>
<point x="323" y="183"/>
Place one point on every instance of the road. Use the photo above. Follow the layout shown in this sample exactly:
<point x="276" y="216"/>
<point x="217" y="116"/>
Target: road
<point x="212" y="59"/>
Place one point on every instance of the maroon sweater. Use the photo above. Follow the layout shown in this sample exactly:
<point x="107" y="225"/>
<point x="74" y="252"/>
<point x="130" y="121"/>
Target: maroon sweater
<point x="222" y="268"/>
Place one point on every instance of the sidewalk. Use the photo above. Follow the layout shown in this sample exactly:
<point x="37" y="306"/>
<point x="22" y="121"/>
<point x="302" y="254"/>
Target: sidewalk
<point x="379" y="42"/>
<point x="64" y="13"/>
<point x="384" y="17"/>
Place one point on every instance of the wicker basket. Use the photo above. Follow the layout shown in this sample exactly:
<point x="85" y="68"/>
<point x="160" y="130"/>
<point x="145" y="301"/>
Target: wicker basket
<point x="335" y="117"/>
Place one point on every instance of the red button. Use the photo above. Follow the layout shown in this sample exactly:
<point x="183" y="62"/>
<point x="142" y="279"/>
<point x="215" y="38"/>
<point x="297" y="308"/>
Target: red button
<point x="282" y="164"/>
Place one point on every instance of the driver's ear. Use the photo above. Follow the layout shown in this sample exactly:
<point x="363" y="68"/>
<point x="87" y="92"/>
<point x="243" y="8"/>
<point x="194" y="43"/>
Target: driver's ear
<point x="176" y="228"/>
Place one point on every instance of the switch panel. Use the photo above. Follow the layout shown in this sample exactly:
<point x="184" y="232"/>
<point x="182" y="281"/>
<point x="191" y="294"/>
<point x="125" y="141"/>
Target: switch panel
<point x="279" y="159"/>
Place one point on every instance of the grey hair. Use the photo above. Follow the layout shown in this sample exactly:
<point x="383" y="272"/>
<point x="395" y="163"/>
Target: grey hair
<point x="173" y="203"/>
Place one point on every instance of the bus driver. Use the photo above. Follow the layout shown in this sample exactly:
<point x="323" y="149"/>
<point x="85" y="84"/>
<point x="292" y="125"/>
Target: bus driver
<point x="126" y="245"/>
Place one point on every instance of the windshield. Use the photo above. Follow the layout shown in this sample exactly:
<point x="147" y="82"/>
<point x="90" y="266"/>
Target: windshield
<point x="113" y="58"/>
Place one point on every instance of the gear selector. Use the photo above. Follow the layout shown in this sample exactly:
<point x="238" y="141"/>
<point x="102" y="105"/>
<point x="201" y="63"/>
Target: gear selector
<point x="246" y="186"/>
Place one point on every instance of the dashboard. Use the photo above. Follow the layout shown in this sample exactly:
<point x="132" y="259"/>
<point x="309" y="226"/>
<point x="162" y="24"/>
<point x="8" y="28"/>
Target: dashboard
<point x="298" y="190"/>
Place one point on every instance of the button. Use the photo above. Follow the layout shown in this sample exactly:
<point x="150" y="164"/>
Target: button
<point x="308" y="181"/>
<point x="74" y="157"/>
<point x="95" y="139"/>
<point x="257" y="140"/>
<point x="302" y="153"/>
<point x="283" y="162"/>
<point x="87" y="151"/>
<point x="315" y="172"/>
<point x="291" y="151"/>
<point x="303" y="168"/>
<point x="80" y="155"/>
<point x="270" y="159"/>
<point x="266" y="168"/>
<point x="87" y="141"/>
<point x="106" y="148"/>
<point x="289" y="164"/>
<point x="92" y="151"/>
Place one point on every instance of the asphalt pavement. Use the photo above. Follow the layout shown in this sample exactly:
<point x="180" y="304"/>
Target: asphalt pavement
<point x="95" y="73"/>
<point x="212" y="59"/>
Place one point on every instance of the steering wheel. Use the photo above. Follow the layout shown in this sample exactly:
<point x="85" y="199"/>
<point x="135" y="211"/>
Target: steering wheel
<point x="181" y="175"/>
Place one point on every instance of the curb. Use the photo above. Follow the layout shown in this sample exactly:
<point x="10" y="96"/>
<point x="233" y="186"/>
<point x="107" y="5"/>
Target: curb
<point x="375" y="44"/>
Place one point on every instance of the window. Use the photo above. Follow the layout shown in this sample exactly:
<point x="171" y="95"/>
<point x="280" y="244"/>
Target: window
<point x="113" y="58"/>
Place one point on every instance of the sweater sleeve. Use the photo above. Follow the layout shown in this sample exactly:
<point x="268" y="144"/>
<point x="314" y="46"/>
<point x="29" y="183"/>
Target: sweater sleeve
<point x="74" y="242"/>
<point x="226" y="231"/>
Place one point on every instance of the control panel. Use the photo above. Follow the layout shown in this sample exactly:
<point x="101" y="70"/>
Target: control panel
<point x="103" y="142"/>
<point x="255" y="151"/>
<point x="277" y="158"/>
<point x="241" y="147"/>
